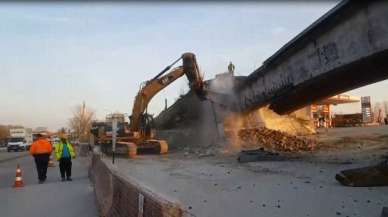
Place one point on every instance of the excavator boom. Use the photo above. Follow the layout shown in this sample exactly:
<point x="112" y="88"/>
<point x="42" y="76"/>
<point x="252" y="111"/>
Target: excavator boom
<point x="159" y="82"/>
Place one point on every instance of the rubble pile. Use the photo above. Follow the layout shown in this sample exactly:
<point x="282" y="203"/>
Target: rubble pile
<point x="274" y="140"/>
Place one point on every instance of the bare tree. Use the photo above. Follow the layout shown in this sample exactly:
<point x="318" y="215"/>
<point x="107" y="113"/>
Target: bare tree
<point x="386" y="107"/>
<point x="4" y="131"/>
<point x="379" y="112"/>
<point x="62" y="131"/>
<point x="81" y="122"/>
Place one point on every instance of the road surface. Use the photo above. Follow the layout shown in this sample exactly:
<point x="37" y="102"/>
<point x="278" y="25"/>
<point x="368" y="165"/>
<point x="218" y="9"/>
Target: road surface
<point x="53" y="198"/>
<point x="218" y="186"/>
<point x="6" y="156"/>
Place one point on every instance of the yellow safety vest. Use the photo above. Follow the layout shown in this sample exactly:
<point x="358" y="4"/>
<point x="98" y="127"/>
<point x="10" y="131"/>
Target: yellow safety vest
<point x="59" y="150"/>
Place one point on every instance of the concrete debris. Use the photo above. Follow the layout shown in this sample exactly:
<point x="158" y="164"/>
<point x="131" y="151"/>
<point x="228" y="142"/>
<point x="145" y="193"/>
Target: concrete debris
<point x="206" y="155"/>
<point x="384" y="212"/>
<point x="258" y="155"/>
<point x="275" y="140"/>
<point x="365" y="177"/>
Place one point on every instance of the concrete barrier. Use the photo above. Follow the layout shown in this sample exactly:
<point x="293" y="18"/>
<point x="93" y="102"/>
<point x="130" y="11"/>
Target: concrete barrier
<point x="118" y="196"/>
<point x="83" y="149"/>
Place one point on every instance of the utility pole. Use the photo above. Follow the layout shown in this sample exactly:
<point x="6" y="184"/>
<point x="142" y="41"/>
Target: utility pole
<point x="114" y="135"/>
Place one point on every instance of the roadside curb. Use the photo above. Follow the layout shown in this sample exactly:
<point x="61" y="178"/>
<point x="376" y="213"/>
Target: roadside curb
<point x="119" y="196"/>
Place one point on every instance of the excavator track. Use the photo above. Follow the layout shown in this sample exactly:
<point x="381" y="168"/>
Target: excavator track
<point x="153" y="146"/>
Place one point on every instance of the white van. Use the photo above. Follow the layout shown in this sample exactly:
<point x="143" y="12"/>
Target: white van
<point x="17" y="144"/>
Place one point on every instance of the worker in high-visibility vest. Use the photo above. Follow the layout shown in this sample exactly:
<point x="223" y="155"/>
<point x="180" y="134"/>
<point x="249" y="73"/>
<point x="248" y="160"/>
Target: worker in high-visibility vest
<point x="64" y="152"/>
<point x="41" y="149"/>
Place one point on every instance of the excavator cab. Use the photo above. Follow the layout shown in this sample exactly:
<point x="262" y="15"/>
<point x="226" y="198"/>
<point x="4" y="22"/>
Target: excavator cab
<point x="146" y="125"/>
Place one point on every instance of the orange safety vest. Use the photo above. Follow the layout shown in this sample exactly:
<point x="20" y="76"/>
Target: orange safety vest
<point x="41" y="146"/>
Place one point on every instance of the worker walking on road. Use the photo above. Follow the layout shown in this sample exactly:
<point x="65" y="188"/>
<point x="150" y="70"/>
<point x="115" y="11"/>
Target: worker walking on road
<point x="64" y="152"/>
<point x="41" y="150"/>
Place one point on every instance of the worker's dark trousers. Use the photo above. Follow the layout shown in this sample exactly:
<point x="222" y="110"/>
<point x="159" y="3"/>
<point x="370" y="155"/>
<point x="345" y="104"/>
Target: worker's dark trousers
<point x="65" y="167"/>
<point x="41" y="162"/>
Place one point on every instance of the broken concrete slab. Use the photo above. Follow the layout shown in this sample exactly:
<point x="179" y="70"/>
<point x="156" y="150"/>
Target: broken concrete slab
<point x="258" y="155"/>
<point x="365" y="177"/>
<point x="385" y="212"/>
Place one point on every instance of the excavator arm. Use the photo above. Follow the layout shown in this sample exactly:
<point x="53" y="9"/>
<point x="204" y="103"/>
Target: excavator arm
<point x="159" y="82"/>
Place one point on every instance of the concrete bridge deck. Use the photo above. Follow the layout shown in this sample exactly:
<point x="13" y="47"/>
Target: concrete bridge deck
<point x="345" y="49"/>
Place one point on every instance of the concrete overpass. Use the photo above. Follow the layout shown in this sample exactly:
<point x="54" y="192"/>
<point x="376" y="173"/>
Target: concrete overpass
<point x="345" y="49"/>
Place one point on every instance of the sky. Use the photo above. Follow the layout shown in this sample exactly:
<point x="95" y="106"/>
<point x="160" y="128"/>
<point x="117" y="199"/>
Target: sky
<point x="54" y="56"/>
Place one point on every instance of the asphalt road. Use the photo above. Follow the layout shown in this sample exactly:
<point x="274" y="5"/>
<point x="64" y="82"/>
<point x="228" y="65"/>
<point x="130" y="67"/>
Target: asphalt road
<point x="5" y="156"/>
<point x="53" y="198"/>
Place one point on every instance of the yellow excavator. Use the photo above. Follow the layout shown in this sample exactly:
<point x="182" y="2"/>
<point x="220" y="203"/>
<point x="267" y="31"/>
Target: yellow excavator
<point x="138" y="136"/>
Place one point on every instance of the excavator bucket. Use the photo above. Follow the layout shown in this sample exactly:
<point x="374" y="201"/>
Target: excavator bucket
<point x="191" y="70"/>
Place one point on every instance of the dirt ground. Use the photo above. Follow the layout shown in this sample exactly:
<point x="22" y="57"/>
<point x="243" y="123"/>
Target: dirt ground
<point x="355" y="144"/>
<point x="215" y="184"/>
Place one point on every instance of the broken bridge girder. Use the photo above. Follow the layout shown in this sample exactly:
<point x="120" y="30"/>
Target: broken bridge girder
<point x="345" y="49"/>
